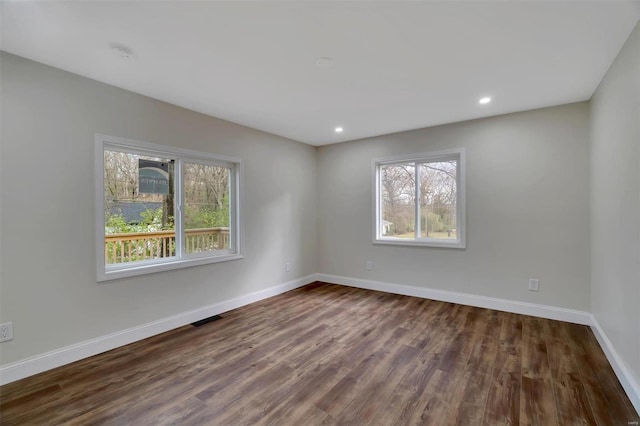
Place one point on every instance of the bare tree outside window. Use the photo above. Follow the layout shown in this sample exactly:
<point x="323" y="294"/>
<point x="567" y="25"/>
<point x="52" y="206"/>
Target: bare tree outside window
<point x="149" y="218"/>
<point x="438" y="200"/>
<point x="418" y="200"/>
<point x="160" y="208"/>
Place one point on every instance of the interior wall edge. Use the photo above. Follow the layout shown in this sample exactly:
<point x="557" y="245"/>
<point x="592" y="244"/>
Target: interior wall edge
<point x="630" y="385"/>
<point x="516" y="307"/>
<point x="628" y="382"/>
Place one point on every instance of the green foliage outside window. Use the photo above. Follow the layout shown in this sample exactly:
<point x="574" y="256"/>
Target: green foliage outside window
<point x="151" y="222"/>
<point x="207" y="216"/>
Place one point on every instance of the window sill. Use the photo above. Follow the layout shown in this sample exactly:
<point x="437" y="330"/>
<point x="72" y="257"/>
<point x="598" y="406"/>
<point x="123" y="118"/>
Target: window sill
<point x="115" y="272"/>
<point x="454" y="244"/>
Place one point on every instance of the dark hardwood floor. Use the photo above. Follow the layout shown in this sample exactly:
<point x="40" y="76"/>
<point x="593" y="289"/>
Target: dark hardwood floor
<point x="326" y="354"/>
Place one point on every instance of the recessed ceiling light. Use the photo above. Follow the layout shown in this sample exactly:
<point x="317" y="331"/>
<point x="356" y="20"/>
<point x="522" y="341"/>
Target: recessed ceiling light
<point x="324" y="62"/>
<point x="121" y="52"/>
<point x="338" y="129"/>
<point x="484" y="100"/>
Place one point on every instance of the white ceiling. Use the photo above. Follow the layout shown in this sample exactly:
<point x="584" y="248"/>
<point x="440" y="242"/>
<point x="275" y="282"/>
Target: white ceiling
<point x="397" y="65"/>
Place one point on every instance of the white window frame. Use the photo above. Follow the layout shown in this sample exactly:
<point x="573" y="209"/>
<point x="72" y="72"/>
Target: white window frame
<point x="446" y="155"/>
<point x="107" y="272"/>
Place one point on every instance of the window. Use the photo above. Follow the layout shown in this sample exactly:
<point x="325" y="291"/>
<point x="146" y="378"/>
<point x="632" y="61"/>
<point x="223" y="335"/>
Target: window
<point x="419" y="200"/>
<point x="161" y="208"/>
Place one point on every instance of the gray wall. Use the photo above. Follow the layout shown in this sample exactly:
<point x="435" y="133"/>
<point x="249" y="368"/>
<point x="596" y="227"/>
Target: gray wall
<point x="47" y="269"/>
<point x="527" y="209"/>
<point x="615" y="204"/>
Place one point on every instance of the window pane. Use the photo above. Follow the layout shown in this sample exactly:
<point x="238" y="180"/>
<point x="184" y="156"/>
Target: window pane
<point x="397" y="183"/>
<point x="207" y="213"/>
<point x="138" y="207"/>
<point x="438" y="200"/>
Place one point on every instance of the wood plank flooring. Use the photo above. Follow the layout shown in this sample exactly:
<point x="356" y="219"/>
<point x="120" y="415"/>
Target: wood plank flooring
<point x="327" y="354"/>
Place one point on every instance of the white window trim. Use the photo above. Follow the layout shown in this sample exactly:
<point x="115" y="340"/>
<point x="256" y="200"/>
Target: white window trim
<point x="460" y="242"/>
<point x="236" y="239"/>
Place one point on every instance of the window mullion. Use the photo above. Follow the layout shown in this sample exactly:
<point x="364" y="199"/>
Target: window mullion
<point x="379" y="204"/>
<point x="418" y="231"/>
<point x="232" y="208"/>
<point x="179" y="201"/>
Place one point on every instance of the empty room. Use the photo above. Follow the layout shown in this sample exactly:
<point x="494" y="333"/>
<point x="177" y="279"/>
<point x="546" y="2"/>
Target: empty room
<point x="320" y="212"/>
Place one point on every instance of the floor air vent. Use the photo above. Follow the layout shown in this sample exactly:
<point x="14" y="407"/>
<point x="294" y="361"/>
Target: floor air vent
<point x="206" y="321"/>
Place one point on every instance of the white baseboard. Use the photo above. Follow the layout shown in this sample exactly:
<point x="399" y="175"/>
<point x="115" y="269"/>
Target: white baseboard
<point x="630" y="385"/>
<point x="56" y="358"/>
<point x="47" y="361"/>
<point x="543" y="311"/>
<point x="628" y="382"/>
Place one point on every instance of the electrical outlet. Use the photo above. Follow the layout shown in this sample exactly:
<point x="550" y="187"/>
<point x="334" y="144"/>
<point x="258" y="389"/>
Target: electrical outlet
<point x="534" y="284"/>
<point x="287" y="267"/>
<point x="6" y="331"/>
<point x="369" y="265"/>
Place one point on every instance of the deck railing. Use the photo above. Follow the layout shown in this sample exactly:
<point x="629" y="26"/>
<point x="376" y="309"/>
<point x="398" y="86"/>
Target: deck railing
<point x="136" y="246"/>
